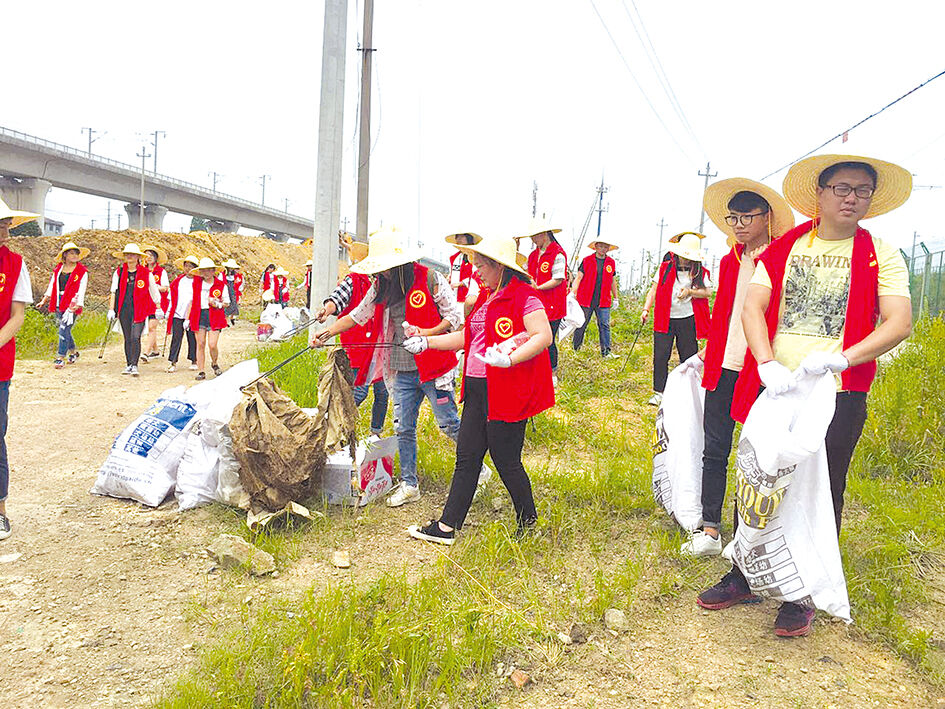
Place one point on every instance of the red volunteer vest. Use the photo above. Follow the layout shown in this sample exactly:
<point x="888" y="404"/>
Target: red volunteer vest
<point x="586" y="288"/>
<point x="238" y="286"/>
<point x="10" y="265"/>
<point x="525" y="389"/>
<point x="664" y="293"/>
<point x="280" y="289"/>
<point x="421" y="311"/>
<point x="861" y="316"/>
<point x="217" y="317"/>
<point x="266" y="281"/>
<point x="369" y="333"/>
<point x="539" y="267"/>
<point x="465" y="273"/>
<point x="721" y="315"/>
<point x="156" y="274"/>
<point x="141" y="295"/>
<point x="60" y="305"/>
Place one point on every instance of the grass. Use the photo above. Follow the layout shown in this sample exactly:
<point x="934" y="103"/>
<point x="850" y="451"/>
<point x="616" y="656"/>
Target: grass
<point x="39" y="336"/>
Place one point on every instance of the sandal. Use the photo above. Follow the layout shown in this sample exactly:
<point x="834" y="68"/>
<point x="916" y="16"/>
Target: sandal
<point x="73" y="358"/>
<point x="216" y="370"/>
<point x="58" y="363"/>
<point x="201" y="376"/>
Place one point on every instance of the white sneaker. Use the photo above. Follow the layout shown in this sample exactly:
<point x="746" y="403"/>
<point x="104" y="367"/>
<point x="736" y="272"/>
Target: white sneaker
<point x="656" y="399"/>
<point x="171" y="368"/>
<point x="613" y="355"/>
<point x="701" y="544"/>
<point x="127" y="370"/>
<point x="192" y="366"/>
<point x="554" y="381"/>
<point x="403" y="494"/>
<point x="134" y="371"/>
<point x="485" y="475"/>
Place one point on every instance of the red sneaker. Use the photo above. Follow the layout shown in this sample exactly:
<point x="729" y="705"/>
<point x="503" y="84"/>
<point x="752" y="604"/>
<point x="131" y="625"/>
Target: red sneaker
<point x="730" y="591"/>
<point x="793" y="621"/>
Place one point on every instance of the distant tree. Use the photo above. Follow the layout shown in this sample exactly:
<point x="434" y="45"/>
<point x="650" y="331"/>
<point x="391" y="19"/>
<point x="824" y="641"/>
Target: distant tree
<point x="198" y="224"/>
<point x="27" y="229"/>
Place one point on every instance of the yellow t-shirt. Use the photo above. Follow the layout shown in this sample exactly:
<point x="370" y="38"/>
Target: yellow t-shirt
<point x="815" y="291"/>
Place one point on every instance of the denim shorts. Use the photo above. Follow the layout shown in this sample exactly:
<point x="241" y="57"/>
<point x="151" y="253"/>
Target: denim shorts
<point x="205" y="320"/>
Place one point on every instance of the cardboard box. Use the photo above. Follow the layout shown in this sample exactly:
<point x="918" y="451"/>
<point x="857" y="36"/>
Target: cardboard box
<point x="370" y="476"/>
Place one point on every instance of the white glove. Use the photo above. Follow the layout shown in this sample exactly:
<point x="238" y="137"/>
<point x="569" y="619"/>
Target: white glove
<point x="410" y="330"/>
<point x="777" y="378"/>
<point x="615" y="302"/>
<point x="111" y="315"/>
<point x="823" y="362"/>
<point x="416" y="345"/>
<point x="160" y="315"/>
<point x="186" y="324"/>
<point x="695" y="362"/>
<point x="494" y="358"/>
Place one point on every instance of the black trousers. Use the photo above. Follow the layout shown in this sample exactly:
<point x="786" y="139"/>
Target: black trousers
<point x="553" y="347"/>
<point x="177" y="338"/>
<point x="683" y="331"/>
<point x="504" y="442"/>
<point x="718" y="426"/>
<point x="131" y="331"/>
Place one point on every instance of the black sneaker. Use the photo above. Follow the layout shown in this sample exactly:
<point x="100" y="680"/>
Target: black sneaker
<point x="525" y="526"/>
<point x="794" y="621"/>
<point x="432" y="533"/>
<point x="731" y="590"/>
<point x="5" y="530"/>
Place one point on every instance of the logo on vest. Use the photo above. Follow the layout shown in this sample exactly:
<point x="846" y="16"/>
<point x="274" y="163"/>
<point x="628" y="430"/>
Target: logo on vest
<point x="503" y="327"/>
<point x="609" y="268"/>
<point x="545" y="267"/>
<point x="418" y="299"/>
<point x="139" y="284"/>
<point x="216" y="293"/>
<point x="3" y="282"/>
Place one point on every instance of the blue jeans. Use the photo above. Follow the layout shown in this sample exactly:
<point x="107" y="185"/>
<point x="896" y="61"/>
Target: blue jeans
<point x="603" y="329"/>
<point x="66" y="343"/>
<point x="379" y="407"/>
<point x="4" y="467"/>
<point x="408" y="395"/>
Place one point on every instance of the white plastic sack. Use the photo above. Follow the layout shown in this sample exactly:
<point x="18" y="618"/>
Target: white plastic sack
<point x="573" y="317"/>
<point x="142" y="464"/>
<point x="786" y="541"/>
<point x="677" y="450"/>
<point x="197" y="474"/>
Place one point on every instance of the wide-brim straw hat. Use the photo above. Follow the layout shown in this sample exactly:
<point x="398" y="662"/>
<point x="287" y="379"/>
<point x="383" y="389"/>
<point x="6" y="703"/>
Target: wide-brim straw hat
<point x="719" y="194"/>
<point x="357" y="251"/>
<point x="893" y="183"/>
<point x="501" y="249"/>
<point x="536" y="226"/>
<point x="610" y="246"/>
<point x="161" y="253"/>
<point x="189" y="258"/>
<point x="687" y="245"/>
<point x="230" y="263"/>
<point x="72" y="246"/>
<point x="309" y="262"/>
<point x="451" y="239"/>
<point x="387" y="249"/>
<point x="130" y="248"/>
<point x="206" y="264"/>
<point x="17" y="216"/>
<point x="280" y="271"/>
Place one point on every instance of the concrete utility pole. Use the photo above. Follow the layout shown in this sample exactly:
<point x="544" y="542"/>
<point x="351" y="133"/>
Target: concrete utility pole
<point x="119" y="221"/>
<point x="216" y="177"/>
<point x="600" y="207"/>
<point x="286" y="205"/>
<point x="534" y="198"/>
<point x="707" y="174"/>
<point x="155" y="134"/>
<point x="143" y="155"/>
<point x="91" y="139"/>
<point x="661" y="225"/>
<point x="263" y="181"/>
<point x="108" y="222"/>
<point x="330" y="152"/>
<point x="364" y="132"/>
<point x="915" y="235"/>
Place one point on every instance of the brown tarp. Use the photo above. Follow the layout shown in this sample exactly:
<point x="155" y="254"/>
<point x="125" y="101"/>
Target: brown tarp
<point x="280" y="448"/>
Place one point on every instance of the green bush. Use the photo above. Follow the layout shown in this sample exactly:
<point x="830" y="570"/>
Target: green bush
<point x="39" y="336"/>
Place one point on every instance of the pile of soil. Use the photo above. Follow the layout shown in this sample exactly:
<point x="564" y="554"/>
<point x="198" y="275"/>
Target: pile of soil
<point x="252" y="253"/>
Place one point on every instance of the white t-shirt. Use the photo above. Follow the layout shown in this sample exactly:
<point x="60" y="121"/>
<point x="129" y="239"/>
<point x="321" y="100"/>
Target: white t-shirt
<point x="205" y="295"/>
<point x="23" y="291"/>
<point x="682" y="308"/>
<point x="185" y="294"/>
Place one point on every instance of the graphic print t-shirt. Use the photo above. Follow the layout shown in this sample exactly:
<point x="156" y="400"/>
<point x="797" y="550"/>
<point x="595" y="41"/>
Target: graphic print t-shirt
<point x="815" y="291"/>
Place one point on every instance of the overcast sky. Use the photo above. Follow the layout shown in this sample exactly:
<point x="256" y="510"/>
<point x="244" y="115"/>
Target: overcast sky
<point x="475" y="101"/>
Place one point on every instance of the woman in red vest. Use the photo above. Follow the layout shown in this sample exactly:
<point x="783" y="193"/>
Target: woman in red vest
<point x="135" y="295"/>
<point x="234" y="281"/>
<point x="265" y="281"/>
<point x="595" y="288"/>
<point x="156" y="257"/>
<point x="66" y="297"/>
<point x="280" y="287"/>
<point x="548" y="268"/>
<point x="681" y="292"/>
<point x="178" y="313"/>
<point x="461" y="268"/>
<point x="414" y="300"/>
<point x="209" y="298"/>
<point x="506" y="381"/>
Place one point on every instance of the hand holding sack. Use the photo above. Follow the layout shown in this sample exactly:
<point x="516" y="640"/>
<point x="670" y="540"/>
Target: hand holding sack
<point x="416" y="345"/>
<point x="777" y="378"/>
<point x="694" y="364"/>
<point x="494" y="358"/>
<point x="823" y="362"/>
<point x="573" y="317"/>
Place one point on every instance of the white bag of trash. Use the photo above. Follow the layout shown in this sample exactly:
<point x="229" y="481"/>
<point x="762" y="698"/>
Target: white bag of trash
<point x="786" y="541"/>
<point x="677" y="448"/>
<point x="573" y="317"/>
<point x="142" y="464"/>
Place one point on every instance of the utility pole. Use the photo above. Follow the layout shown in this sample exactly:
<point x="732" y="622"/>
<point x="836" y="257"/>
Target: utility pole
<point x="915" y="235"/>
<point x="155" y="134"/>
<point x="143" y="155"/>
<point x="707" y="174"/>
<point x="642" y="272"/>
<point x="93" y="224"/>
<point x="108" y="223"/>
<point x="534" y="198"/>
<point x="600" y="206"/>
<point x="661" y="225"/>
<point x="263" y="181"/>
<point x="91" y="139"/>
<point x="119" y="220"/>
<point x="364" y="133"/>
<point x="286" y="205"/>
<point x="216" y="176"/>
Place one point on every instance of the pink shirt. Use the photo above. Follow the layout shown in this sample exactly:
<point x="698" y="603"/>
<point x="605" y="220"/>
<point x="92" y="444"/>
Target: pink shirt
<point x="475" y="367"/>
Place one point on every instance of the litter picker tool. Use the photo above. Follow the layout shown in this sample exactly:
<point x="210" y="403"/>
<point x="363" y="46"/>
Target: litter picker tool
<point x="111" y="324"/>
<point x="306" y="349"/>
<point x="626" y="361"/>
<point x="164" y="343"/>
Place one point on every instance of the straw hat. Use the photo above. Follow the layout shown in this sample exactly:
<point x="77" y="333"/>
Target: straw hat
<point x="18" y="217"/>
<point x="206" y="264"/>
<point x="307" y="263"/>
<point x="230" y="263"/>
<point x="538" y="225"/>
<point x="893" y="183"/>
<point x="161" y="253"/>
<point x="501" y="249"/>
<point x="357" y="251"/>
<point x="280" y="271"/>
<point x="719" y="194"/>
<point x="611" y="247"/>
<point x="71" y="246"/>
<point x="451" y="239"/>
<point x="387" y="249"/>
<point x="131" y="248"/>
<point x="687" y="245"/>
<point x="189" y="258"/>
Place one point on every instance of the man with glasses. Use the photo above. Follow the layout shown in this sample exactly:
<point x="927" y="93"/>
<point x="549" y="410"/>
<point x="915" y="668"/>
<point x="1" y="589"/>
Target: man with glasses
<point x="749" y="214"/>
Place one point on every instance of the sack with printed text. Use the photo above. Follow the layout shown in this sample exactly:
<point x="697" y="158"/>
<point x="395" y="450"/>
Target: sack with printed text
<point x="573" y="317"/>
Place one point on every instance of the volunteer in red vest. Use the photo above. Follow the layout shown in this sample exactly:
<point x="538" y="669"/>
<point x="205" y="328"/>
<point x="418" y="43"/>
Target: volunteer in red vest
<point x="66" y="297"/>
<point x="750" y="214"/>
<point x="280" y="287"/>
<point x="206" y="320"/>
<point x="232" y="289"/>
<point x="681" y="293"/>
<point x="307" y="284"/>
<point x="265" y="281"/>
<point x="548" y="267"/>
<point x="132" y="299"/>
<point x="416" y="301"/>
<point x="155" y="258"/>
<point x="349" y="292"/>
<point x="506" y="381"/>
<point x="461" y="268"/>
<point x="16" y="292"/>
<point x="595" y="288"/>
<point x="827" y="297"/>
<point x="181" y="295"/>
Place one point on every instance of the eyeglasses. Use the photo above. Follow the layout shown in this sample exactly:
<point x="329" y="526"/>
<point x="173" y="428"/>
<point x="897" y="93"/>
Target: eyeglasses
<point x="843" y="190"/>
<point x="744" y="219"/>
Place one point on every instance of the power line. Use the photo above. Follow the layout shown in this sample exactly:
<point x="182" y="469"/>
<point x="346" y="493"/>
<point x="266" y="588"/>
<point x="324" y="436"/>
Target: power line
<point x="855" y="125"/>
<point x="637" y="82"/>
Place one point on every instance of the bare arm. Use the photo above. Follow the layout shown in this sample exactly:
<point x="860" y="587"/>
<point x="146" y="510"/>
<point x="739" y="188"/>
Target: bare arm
<point x="648" y="302"/>
<point x="452" y="341"/>
<point x="17" y="315"/>
<point x="577" y="282"/>
<point x="753" y="321"/>
<point x="551" y="283"/>
<point x="896" y="314"/>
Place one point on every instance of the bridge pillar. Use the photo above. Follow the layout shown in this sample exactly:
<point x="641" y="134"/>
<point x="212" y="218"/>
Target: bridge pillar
<point x="153" y="216"/>
<point x="216" y="226"/>
<point x="231" y="227"/>
<point x="26" y="195"/>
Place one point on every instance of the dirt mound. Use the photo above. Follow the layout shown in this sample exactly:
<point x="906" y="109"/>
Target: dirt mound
<point x="253" y="253"/>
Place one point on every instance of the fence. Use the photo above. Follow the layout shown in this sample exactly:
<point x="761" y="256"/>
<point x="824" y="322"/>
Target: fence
<point x="926" y="276"/>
